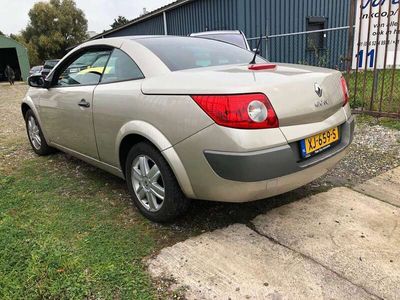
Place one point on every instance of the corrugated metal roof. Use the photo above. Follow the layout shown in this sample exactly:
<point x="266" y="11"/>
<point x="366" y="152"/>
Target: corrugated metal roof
<point x="144" y="17"/>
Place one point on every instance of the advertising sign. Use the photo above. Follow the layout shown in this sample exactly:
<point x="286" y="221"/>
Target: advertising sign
<point x="379" y="34"/>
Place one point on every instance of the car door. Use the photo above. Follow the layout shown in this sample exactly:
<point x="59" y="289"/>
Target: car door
<point x="66" y="107"/>
<point x="116" y="100"/>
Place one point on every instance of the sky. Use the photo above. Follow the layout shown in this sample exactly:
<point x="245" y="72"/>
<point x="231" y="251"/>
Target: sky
<point x="99" y="13"/>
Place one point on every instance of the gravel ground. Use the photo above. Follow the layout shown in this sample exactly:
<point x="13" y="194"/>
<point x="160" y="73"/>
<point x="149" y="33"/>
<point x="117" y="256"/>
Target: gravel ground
<point x="11" y="123"/>
<point x="375" y="150"/>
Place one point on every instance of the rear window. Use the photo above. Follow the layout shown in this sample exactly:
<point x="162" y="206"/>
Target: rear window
<point x="181" y="53"/>
<point x="234" y="39"/>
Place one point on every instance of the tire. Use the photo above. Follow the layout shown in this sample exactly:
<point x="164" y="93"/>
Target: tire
<point x="35" y="135"/>
<point x="147" y="191"/>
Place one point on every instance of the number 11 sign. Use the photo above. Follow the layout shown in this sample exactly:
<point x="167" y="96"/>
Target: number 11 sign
<point x="377" y="35"/>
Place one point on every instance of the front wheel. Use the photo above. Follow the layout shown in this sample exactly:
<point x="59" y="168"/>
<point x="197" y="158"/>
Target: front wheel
<point x="152" y="184"/>
<point x="35" y="135"/>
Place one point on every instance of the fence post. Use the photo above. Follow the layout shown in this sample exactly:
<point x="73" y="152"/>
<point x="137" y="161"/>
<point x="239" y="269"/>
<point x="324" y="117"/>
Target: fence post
<point x="350" y="40"/>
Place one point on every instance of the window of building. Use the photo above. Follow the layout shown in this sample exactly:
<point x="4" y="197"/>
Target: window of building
<point x="316" y="40"/>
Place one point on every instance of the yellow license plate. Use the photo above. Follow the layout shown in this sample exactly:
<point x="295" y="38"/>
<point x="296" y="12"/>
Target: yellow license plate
<point x="319" y="142"/>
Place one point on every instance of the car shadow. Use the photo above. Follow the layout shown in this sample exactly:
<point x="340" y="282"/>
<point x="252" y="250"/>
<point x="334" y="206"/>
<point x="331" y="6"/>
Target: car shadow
<point x="202" y="215"/>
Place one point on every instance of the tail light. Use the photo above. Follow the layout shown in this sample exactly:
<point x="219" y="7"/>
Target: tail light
<point x="345" y="91"/>
<point x="247" y="111"/>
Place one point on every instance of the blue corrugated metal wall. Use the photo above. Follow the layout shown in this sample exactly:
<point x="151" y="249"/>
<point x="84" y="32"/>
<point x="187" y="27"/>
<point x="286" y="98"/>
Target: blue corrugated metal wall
<point x="256" y="17"/>
<point x="153" y="26"/>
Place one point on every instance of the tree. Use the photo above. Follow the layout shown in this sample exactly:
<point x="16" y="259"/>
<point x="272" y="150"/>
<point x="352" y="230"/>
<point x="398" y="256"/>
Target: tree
<point x="1" y="33"/>
<point x="119" y="22"/>
<point x="54" y="26"/>
<point x="30" y="47"/>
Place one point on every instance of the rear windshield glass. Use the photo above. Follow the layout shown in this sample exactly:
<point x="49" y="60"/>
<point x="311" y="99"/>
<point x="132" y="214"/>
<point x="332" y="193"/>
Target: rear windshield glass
<point x="235" y="39"/>
<point x="180" y="53"/>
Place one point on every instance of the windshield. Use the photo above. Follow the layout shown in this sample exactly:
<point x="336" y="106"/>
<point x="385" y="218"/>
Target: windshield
<point x="180" y="53"/>
<point x="36" y="68"/>
<point x="49" y="64"/>
<point x="235" y="39"/>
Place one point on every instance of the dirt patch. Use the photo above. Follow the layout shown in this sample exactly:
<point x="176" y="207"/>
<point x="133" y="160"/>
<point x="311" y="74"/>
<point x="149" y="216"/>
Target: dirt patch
<point x="12" y="126"/>
<point x="13" y="143"/>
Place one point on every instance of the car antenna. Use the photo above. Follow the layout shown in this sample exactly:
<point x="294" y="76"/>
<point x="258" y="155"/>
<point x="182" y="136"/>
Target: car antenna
<point x="253" y="61"/>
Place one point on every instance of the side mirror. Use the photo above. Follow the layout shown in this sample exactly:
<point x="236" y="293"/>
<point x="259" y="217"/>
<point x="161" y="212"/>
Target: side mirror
<point x="36" y="80"/>
<point x="46" y="83"/>
<point x="256" y="51"/>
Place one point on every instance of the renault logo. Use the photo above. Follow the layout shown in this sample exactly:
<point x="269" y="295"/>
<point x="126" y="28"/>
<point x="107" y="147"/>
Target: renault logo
<point x="318" y="89"/>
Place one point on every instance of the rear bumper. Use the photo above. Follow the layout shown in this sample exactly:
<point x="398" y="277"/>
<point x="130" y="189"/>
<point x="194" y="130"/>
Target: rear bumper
<point x="272" y="163"/>
<point x="232" y="165"/>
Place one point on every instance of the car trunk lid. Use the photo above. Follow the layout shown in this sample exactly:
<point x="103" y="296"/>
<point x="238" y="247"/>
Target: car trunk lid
<point x="299" y="94"/>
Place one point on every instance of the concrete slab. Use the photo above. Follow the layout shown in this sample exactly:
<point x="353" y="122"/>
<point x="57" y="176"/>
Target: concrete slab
<point x="238" y="263"/>
<point x="354" y="235"/>
<point x="385" y="187"/>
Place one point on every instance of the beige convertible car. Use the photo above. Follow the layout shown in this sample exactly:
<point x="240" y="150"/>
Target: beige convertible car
<point x="189" y="118"/>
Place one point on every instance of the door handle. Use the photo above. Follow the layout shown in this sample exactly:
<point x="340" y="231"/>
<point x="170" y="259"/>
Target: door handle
<point x="84" y="103"/>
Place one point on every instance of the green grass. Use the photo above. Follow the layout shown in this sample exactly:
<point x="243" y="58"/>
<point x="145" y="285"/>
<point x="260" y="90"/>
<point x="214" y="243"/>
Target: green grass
<point x="390" y="123"/>
<point x="386" y="101"/>
<point x="63" y="238"/>
<point x="386" y="122"/>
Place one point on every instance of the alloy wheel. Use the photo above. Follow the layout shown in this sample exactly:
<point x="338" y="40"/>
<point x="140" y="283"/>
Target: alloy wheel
<point x="34" y="133"/>
<point x="148" y="183"/>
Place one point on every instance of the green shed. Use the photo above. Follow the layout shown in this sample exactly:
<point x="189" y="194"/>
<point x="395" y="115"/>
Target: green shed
<point x="15" y="55"/>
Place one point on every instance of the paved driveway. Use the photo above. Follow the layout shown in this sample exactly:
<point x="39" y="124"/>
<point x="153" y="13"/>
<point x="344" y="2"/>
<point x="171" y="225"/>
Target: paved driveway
<point x="342" y="244"/>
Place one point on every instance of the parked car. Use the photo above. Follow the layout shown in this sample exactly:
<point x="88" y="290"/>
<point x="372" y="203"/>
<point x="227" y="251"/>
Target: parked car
<point x="186" y="118"/>
<point x="35" y="69"/>
<point x="235" y="37"/>
<point x="48" y="66"/>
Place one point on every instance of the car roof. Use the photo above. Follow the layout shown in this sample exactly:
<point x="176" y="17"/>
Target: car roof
<point x="138" y="37"/>
<point x="214" y="32"/>
<point x="116" y="40"/>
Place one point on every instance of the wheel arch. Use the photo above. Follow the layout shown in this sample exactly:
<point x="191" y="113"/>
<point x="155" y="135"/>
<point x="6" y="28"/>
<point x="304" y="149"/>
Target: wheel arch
<point x="139" y="131"/>
<point x="24" y="109"/>
<point x="28" y="104"/>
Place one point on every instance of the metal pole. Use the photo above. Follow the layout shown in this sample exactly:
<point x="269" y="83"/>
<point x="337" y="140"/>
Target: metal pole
<point x="165" y="23"/>
<point x="396" y="49"/>
<point x="350" y="41"/>
<point x="266" y="42"/>
<point x="358" y="53"/>
<point x="386" y="54"/>
<point x="366" y="57"/>
<point x="376" y="72"/>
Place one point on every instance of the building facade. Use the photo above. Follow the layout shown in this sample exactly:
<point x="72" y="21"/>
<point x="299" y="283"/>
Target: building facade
<point x="15" y="55"/>
<point x="272" y="18"/>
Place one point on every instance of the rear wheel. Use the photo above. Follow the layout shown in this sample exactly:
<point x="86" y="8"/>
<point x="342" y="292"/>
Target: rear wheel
<point x="152" y="184"/>
<point x="35" y="135"/>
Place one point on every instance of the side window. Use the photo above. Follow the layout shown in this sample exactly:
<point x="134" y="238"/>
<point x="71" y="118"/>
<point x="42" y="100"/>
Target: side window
<point x="121" y="67"/>
<point x="85" y="69"/>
